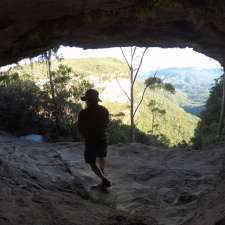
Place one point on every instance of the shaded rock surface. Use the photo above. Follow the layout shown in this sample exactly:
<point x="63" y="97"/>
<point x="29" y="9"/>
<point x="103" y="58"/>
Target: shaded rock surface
<point x="48" y="184"/>
<point x="36" y="187"/>
<point x="29" y="27"/>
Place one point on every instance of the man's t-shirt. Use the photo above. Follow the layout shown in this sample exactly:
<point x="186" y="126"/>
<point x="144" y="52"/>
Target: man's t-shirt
<point x="92" y="123"/>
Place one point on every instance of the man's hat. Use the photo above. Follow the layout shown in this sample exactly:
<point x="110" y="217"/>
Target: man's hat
<point x="91" y="95"/>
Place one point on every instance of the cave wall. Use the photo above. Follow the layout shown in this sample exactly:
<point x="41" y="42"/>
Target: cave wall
<point x="29" y="27"/>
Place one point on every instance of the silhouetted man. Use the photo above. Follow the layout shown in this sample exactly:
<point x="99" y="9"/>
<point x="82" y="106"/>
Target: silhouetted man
<point x="92" y="123"/>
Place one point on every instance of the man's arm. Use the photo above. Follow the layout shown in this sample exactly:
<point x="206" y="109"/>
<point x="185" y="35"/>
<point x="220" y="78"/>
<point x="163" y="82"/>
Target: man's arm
<point x="80" y="124"/>
<point x="107" y="117"/>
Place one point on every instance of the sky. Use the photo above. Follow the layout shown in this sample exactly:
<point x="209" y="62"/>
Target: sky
<point x="155" y="58"/>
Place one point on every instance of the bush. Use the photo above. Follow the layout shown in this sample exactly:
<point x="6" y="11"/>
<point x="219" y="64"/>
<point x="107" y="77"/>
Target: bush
<point x="120" y="133"/>
<point x="19" y="107"/>
<point x="25" y="108"/>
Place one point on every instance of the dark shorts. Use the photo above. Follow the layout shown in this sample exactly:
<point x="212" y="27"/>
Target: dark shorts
<point x="93" y="151"/>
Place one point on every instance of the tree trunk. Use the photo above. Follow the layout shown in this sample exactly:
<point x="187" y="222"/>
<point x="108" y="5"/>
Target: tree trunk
<point x="31" y="67"/>
<point x="132" y="126"/>
<point x="52" y="90"/>
<point x="133" y="77"/>
<point x="222" y="112"/>
<point x="153" y="122"/>
<point x="50" y="78"/>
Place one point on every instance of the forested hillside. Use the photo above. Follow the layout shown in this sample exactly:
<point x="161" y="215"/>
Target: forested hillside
<point x="103" y="68"/>
<point x="206" y="132"/>
<point x="194" y="83"/>
<point x="159" y="115"/>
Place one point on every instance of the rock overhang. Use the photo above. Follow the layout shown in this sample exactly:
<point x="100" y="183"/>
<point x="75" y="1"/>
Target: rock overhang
<point x="27" y="28"/>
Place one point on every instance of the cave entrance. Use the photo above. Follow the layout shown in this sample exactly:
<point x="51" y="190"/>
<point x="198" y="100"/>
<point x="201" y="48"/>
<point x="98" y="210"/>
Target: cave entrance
<point x="191" y="73"/>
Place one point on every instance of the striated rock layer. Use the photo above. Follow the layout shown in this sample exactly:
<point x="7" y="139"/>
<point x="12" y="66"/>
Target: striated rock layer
<point x="29" y="27"/>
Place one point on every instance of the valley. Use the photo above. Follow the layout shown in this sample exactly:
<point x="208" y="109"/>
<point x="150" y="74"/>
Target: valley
<point x="110" y="77"/>
<point x="193" y="83"/>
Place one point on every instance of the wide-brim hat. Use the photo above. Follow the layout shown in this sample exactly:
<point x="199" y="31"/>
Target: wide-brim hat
<point x="91" y="95"/>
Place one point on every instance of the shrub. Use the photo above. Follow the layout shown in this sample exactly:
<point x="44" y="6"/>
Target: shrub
<point x="20" y="105"/>
<point x="118" y="132"/>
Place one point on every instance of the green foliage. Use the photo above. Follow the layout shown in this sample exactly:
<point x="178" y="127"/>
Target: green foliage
<point x="153" y="82"/>
<point x="156" y="111"/>
<point x="26" y="107"/>
<point x="157" y="83"/>
<point x="169" y="87"/>
<point x="20" y="104"/>
<point x="102" y="68"/>
<point x="118" y="132"/>
<point x="206" y="131"/>
<point x="194" y="83"/>
<point x="65" y="106"/>
<point x="171" y="128"/>
<point x="9" y="79"/>
<point x="165" y="119"/>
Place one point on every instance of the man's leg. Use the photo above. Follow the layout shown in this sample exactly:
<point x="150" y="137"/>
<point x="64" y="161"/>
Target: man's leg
<point x="97" y="171"/>
<point x="101" y="162"/>
<point x="105" y="182"/>
<point x="101" y="155"/>
<point x="90" y="157"/>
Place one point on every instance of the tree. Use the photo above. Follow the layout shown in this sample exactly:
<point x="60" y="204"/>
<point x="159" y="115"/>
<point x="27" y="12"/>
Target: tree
<point x="206" y="131"/>
<point x="47" y="57"/>
<point x="156" y="111"/>
<point x="134" y="65"/>
<point x="20" y="104"/>
<point x="155" y="83"/>
<point x="66" y="103"/>
<point x="33" y="106"/>
<point x="133" y="73"/>
<point x="222" y="111"/>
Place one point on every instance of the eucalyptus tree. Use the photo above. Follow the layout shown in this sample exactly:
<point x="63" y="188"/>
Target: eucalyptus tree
<point x="156" y="111"/>
<point x="47" y="58"/>
<point x="134" y="61"/>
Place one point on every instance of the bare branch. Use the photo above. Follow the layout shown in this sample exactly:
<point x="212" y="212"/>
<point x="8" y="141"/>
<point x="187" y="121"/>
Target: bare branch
<point x="132" y="54"/>
<point x="139" y="66"/>
<point x="124" y="56"/>
<point x="131" y="50"/>
<point x="142" y="98"/>
<point x="155" y="73"/>
<point x="160" y="78"/>
<point x="123" y="89"/>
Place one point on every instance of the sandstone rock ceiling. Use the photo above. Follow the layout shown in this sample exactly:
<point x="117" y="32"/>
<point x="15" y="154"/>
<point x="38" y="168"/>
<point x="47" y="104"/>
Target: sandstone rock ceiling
<point x="28" y="27"/>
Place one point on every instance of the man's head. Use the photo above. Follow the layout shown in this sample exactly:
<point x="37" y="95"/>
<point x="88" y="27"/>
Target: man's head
<point x="91" y="97"/>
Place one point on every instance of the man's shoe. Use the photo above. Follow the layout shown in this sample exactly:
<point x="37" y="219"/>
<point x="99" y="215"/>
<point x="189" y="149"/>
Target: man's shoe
<point x="106" y="183"/>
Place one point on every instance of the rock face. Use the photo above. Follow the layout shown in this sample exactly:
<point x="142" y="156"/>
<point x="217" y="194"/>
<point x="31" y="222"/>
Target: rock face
<point x="37" y="187"/>
<point x="29" y="27"/>
<point x="48" y="184"/>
